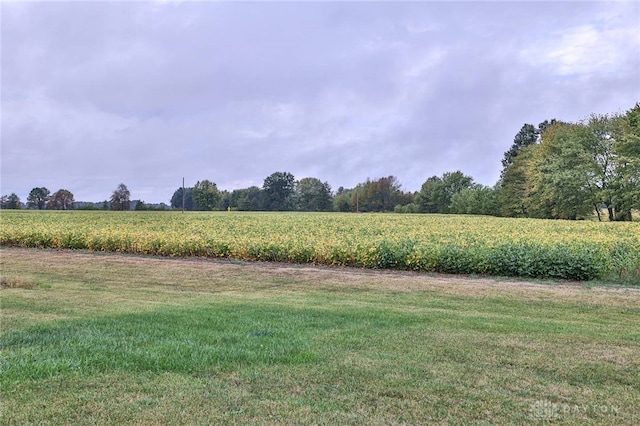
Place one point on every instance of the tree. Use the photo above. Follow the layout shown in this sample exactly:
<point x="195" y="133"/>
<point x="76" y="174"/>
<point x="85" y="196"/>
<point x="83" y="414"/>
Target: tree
<point x="428" y="197"/>
<point x="141" y="205"/>
<point x="626" y="185"/>
<point x="513" y="188"/>
<point x="206" y="195"/>
<point x="527" y="136"/>
<point x="10" y="202"/>
<point x="342" y="200"/>
<point x="38" y="198"/>
<point x="436" y="193"/>
<point x="479" y="200"/>
<point x="249" y="199"/>
<point x="176" y="199"/>
<point x="312" y="195"/>
<point x="597" y="138"/>
<point x="120" y="199"/>
<point x="560" y="180"/>
<point x="277" y="190"/>
<point x="382" y="195"/>
<point x="61" y="200"/>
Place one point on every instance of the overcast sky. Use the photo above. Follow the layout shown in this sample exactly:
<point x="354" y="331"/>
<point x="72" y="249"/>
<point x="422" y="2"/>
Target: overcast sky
<point x="144" y="93"/>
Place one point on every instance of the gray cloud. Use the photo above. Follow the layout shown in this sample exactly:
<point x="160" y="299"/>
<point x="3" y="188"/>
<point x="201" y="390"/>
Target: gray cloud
<point x="98" y="93"/>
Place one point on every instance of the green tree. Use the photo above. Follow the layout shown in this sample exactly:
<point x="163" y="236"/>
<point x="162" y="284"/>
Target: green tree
<point x="342" y="200"/>
<point x="436" y="193"/>
<point x="597" y="139"/>
<point x="429" y="197"/>
<point x="176" y="199"/>
<point x="206" y="195"/>
<point x="514" y="187"/>
<point x="38" y="198"/>
<point x="478" y="200"/>
<point x="384" y="194"/>
<point x="528" y="135"/>
<point x="120" y="199"/>
<point x="141" y="206"/>
<point x="249" y="199"/>
<point x="61" y="200"/>
<point x="626" y="185"/>
<point x="559" y="184"/>
<point x="381" y="195"/>
<point x="277" y="191"/>
<point x="11" y="201"/>
<point x="312" y="195"/>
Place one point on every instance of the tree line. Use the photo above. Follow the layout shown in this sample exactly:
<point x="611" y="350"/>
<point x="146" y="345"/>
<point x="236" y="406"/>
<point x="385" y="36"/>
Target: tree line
<point x="556" y="170"/>
<point x="40" y="198"/>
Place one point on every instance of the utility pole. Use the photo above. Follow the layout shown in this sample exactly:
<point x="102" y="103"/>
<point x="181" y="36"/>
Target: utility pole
<point x="183" y="195"/>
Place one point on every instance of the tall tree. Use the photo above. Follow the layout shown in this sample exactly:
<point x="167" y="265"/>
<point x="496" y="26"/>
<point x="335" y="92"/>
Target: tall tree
<point x="206" y="195"/>
<point x="342" y="200"/>
<point x="61" y="200"/>
<point x="11" y="201"/>
<point x="597" y="138"/>
<point x="626" y="184"/>
<point x="382" y="195"/>
<point x="38" y="198"/>
<point x="436" y="193"/>
<point x="277" y="190"/>
<point x="527" y="136"/>
<point x="561" y="177"/>
<point x="249" y="199"/>
<point x="176" y="199"/>
<point x="428" y="199"/>
<point x="479" y="199"/>
<point x="514" y="187"/>
<point x="121" y="198"/>
<point x="312" y="195"/>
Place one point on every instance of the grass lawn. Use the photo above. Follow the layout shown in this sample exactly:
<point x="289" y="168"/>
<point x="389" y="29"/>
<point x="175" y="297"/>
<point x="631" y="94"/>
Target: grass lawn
<point x="90" y="338"/>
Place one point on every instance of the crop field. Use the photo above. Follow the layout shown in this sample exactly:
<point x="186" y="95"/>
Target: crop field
<point x="109" y="339"/>
<point x="431" y="243"/>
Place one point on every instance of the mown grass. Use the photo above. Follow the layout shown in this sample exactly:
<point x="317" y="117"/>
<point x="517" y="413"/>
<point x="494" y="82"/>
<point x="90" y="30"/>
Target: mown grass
<point x="106" y="339"/>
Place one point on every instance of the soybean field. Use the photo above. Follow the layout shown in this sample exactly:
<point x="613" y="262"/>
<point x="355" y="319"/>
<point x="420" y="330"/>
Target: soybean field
<point x="434" y="243"/>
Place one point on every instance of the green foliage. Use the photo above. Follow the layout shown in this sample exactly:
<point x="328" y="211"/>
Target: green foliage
<point x="528" y="135"/>
<point x="514" y="188"/>
<point x="176" y="199"/>
<point x="38" y="198"/>
<point x="278" y="189"/>
<point x="479" y="199"/>
<point x="436" y="193"/>
<point x="561" y="174"/>
<point x="120" y="199"/>
<point x="206" y="195"/>
<point x="627" y="147"/>
<point x="61" y="200"/>
<point x="312" y="195"/>
<point x="574" y="169"/>
<point x="407" y="208"/>
<point x="381" y="195"/>
<point x="11" y="201"/>
<point x="249" y="199"/>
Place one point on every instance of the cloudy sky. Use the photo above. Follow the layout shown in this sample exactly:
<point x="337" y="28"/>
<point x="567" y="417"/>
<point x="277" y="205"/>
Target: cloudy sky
<point x="145" y="93"/>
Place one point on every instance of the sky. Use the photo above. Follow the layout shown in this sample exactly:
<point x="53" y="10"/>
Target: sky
<point x="147" y="93"/>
